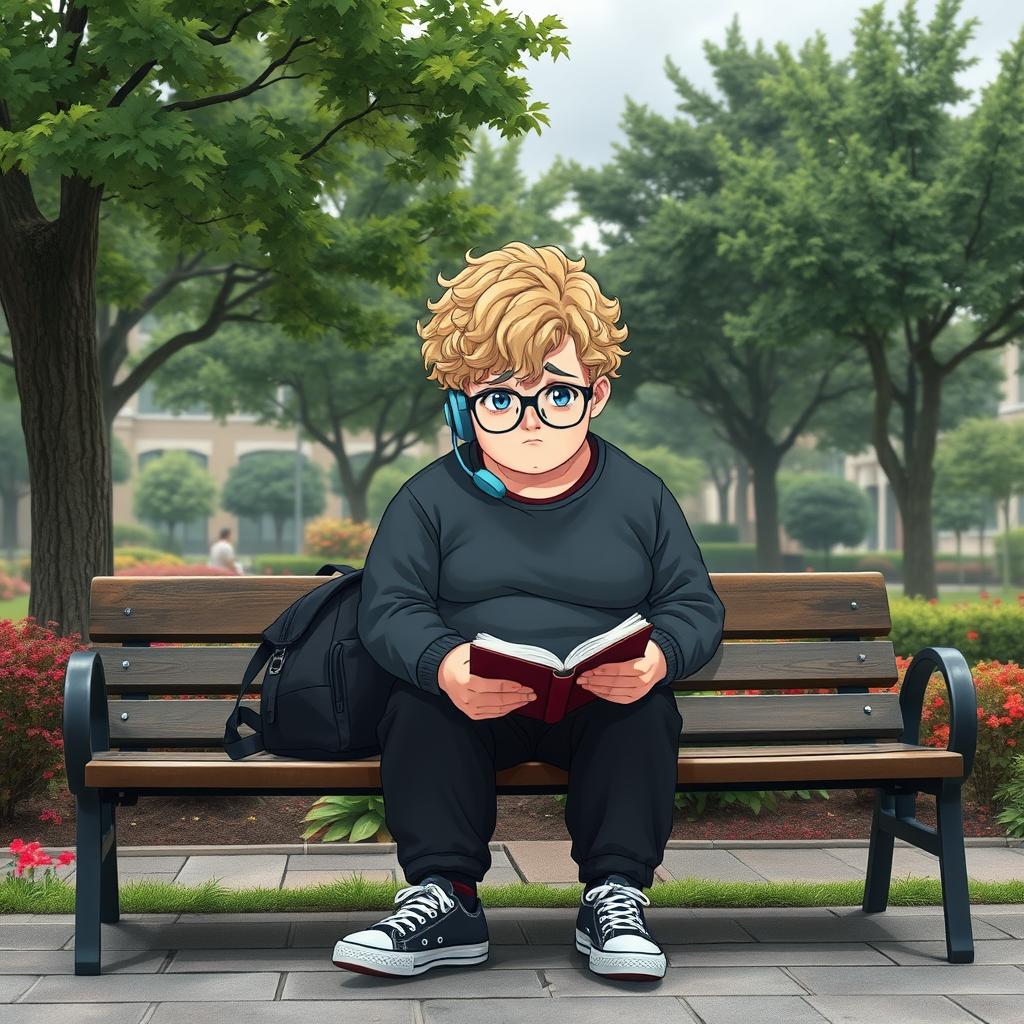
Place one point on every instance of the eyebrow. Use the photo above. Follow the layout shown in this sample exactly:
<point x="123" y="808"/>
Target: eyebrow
<point x="550" y="367"/>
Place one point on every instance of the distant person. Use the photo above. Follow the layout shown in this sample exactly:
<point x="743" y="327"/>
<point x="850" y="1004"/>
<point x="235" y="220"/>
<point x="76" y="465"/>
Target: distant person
<point x="222" y="554"/>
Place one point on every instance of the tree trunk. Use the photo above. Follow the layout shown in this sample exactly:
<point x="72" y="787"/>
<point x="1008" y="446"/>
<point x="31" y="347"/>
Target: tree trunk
<point x="742" y="509"/>
<point x="358" y="504"/>
<point x="766" y="511"/>
<point x="915" y="504"/>
<point x="10" y="500"/>
<point x="959" y="561"/>
<point x="47" y="272"/>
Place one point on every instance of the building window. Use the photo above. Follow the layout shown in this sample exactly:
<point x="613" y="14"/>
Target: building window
<point x="193" y="536"/>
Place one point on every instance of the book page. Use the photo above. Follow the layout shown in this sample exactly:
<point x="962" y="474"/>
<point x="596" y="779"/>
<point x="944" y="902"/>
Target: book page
<point x="597" y="643"/>
<point x="538" y="655"/>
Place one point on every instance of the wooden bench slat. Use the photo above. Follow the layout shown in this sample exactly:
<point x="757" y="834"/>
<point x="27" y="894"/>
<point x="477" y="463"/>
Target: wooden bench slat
<point x="262" y="772"/>
<point x="742" y="718"/>
<point x="746" y="665"/>
<point x="237" y="608"/>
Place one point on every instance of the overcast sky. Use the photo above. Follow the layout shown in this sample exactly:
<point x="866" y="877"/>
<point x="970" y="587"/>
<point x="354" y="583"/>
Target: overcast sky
<point x="617" y="48"/>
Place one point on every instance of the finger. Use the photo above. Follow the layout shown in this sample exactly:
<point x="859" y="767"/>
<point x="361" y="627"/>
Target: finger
<point x="501" y="701"/>
<point x="615" y="668"/>
<point x="483" y="684"/>
<point x="612" y="682"/>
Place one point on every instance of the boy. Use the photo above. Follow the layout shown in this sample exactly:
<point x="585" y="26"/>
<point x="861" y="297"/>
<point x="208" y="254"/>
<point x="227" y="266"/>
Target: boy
<point x="540" y="532"/>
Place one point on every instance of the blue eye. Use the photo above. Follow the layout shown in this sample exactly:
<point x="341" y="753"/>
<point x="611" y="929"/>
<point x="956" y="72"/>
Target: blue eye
<point x="561" y="396"/>
<point x="501" y="400"/>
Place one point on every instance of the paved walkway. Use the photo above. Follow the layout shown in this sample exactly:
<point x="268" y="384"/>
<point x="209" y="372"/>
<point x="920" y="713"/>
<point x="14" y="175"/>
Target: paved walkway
<point x="726" y="966"/>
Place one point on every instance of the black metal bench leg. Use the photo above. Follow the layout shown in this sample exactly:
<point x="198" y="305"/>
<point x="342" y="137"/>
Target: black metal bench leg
<point x="956" y="900"/>
<point x="89" y="842"/>
<point x="879" y="871"/>
<point x="110" y="900"/>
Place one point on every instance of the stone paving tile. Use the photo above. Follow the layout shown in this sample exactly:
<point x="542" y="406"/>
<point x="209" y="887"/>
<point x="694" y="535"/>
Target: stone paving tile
<point x="334" y="861"/>
<point x="62" y="961"/>
<point x="544" y="860"/>
<point x="787" y="864"/>
<point x="301" y="879"/>
<point x="799" y="926"/>
<point x="14" y="985"/>
<point x="116" y="988"/>
<point x="174" y="935"/>
<point x="869" y="1009"/>
<point x="35" y="934"/>
<point x="986" y="951"/>
<point x="944" y="979"/>
<point x="652" y="1009"/>
<point x="235" y="871"/>
<point x="984" y="863"/>
<point x="720" y="865"/>
<point x="447" y="982"/>
<point x="744" y="1009"/>
<point x="679" y="981"/>
<point x="1011" y="924"/>
<point x="354" y="1011"/>
<point x="87" y="1013"/>
<point x="994" y="1009"/>
<point x="778" y="954"/>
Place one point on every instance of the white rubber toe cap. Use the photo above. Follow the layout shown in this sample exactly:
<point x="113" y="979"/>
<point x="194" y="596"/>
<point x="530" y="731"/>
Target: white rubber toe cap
<point x="630" y="944"/>
<point x="371" y="937"/>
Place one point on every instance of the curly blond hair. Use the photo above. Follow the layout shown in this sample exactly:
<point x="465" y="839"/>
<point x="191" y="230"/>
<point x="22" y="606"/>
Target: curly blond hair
<point x="508" y="308"/>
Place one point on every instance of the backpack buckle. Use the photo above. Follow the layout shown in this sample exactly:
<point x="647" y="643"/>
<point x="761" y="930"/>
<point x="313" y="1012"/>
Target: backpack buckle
<point x="276" y="662"/>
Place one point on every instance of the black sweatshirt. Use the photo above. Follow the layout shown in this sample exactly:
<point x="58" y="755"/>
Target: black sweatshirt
<point x="448" y="561"/>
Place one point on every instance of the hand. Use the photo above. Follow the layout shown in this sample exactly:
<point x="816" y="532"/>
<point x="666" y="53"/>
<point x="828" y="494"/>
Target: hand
<point x="477" y="696"/>
<point x="626" y="681"/>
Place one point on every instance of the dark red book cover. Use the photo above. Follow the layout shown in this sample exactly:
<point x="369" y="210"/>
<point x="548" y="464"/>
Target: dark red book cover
<point x="556" y="694"/>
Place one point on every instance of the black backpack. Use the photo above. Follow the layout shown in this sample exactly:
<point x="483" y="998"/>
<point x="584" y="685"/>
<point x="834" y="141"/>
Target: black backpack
<point x="323" y="694"/>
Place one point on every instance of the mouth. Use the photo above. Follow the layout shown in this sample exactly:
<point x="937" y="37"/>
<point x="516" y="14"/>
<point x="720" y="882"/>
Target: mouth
<point x="533" y="440"/>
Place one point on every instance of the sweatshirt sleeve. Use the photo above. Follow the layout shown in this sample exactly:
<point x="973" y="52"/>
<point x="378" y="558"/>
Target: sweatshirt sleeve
<point x="687" y="613"/>
<point x="397" y="620"/>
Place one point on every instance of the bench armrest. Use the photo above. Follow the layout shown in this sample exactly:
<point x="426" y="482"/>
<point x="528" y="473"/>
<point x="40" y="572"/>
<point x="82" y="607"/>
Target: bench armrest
<point x="963" y="699"/>
<point x="86" y="725"/>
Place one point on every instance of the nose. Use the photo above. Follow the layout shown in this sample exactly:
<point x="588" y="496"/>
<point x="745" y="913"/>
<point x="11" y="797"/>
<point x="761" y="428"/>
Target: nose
<point x="531" y="421"/>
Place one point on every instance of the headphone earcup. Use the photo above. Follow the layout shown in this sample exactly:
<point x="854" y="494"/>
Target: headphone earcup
<point x="456" y="412"/>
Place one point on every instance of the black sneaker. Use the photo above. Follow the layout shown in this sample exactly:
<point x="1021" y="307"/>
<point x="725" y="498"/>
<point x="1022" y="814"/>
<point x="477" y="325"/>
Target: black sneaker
<point x="432" y="929"/>
<point x="610" y="927"/>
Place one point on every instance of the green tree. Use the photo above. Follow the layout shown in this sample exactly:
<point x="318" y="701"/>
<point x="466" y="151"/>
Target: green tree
<point x="986" y="457"/>
<point x="819" y="510"/>
<point x="142" y="105"/>
<point x="955" y="507"/>
<point x="264" y="484"/>
<point x="13" y="473"/>
<point x="900" y="216"/>
<point x="173" y="489"/>
<point x="661" y="212"/>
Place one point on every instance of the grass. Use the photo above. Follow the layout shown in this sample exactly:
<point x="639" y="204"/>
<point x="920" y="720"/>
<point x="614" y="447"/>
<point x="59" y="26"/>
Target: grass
<point x="56" y="896"/>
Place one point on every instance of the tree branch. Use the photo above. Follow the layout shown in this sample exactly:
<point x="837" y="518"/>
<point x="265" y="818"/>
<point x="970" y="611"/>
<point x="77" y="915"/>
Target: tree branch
<point x="337" y="128"/>
<point x="136" y="77"/>
<point x="209" y="37"/>
<point x="259" y="82"/>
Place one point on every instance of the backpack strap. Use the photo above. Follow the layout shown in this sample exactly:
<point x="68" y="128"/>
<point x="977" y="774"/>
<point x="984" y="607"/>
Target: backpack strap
<point x="330" y="569"/>
<point x="235" y="746"/>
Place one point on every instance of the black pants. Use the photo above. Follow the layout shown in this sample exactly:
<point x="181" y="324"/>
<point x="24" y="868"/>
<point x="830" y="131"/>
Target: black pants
<point x="438" y="766"/>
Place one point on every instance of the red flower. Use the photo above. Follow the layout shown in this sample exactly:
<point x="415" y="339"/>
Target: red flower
<point x="972" y="634"/>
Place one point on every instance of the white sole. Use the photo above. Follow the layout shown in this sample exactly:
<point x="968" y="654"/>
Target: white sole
<point x="372" y="960"/>
<point x="631" y="966"/>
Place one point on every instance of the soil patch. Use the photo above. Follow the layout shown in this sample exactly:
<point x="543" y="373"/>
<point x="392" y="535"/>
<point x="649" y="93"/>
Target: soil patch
<point x="159" y="820"/>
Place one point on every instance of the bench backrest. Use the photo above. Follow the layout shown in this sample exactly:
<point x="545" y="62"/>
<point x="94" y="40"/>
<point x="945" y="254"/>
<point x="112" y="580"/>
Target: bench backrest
<point x="783" y="631"/>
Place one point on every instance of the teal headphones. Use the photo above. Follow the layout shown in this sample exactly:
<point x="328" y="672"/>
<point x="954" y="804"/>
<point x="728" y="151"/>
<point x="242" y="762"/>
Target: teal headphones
<point x="459" y="419"/>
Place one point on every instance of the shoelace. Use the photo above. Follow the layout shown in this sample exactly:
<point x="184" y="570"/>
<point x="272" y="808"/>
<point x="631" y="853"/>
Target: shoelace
<point x="617" y="906"/>
<point x="416" y="901"/>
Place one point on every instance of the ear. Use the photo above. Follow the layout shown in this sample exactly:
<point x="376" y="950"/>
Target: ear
<point x="602" y="392"/>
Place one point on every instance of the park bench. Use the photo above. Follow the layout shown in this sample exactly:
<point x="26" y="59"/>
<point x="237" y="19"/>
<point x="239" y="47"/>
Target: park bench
<point x="832" y="628"/>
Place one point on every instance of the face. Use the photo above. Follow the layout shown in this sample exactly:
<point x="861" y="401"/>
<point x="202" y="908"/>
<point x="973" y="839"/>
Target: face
<point x="534" y="446"/>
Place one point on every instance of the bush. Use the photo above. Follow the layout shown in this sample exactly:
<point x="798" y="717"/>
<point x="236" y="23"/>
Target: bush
<point x="168" y="568"/>
<point x="132" y="534"/>
<point x="128" y="557"/>
<point x="990" y="628"/>
<point x="295" y="565"/>
<point x="720" y="532"/>
<point x="333" y="538"/>
<point x="33" y="660"/>
<point x="12" y="587"/>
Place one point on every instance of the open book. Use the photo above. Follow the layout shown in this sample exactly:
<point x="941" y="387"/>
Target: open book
<point x="554" y="680"/>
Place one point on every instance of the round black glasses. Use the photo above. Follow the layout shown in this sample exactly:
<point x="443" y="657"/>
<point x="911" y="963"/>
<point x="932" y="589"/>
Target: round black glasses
<point x="499" y="410"/>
